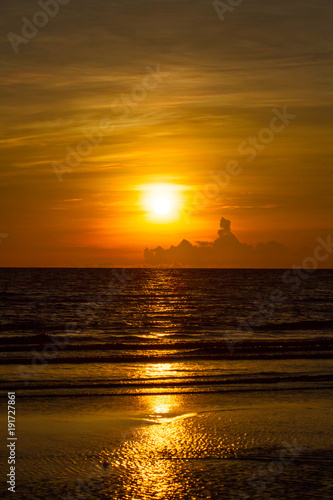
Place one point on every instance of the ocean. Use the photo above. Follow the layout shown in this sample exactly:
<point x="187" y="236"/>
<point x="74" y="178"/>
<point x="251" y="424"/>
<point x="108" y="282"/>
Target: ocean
<point x="113" y="331"/>
<point x="195" y="377"/>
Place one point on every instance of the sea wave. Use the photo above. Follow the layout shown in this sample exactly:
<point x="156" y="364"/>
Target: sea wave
<point x="121" y="352"/>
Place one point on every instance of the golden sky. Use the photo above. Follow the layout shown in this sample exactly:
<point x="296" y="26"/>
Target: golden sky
<point x="157" y="96"/>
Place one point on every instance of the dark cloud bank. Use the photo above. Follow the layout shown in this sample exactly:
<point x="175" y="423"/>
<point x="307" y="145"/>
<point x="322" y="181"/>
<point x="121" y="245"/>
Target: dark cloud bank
<point x="225" y="251"/>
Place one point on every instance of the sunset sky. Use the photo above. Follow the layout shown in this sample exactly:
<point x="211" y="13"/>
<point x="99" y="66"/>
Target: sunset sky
<point x="168" y="93"/>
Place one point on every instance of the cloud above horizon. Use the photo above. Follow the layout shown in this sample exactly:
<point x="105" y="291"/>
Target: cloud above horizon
<point x="226" y="251"/>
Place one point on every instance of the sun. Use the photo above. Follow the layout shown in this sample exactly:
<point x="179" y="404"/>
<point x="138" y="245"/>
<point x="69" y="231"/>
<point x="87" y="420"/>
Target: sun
<point x="162" y="206"/>
<point x="161" y="202"/>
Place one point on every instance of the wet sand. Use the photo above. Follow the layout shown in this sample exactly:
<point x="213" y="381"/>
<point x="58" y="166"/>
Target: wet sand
<point x="177" y="446"/>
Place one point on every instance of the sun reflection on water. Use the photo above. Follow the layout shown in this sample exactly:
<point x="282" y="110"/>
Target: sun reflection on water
<point x="161" y="408"/>
<point x="166" y="457"/>
<point x="158" y="370"/>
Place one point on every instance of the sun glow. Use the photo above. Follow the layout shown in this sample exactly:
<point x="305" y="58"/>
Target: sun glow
<point x="161" y="202"/>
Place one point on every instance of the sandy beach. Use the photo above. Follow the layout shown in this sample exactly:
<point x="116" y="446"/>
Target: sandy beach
<point x="198" y="446"/>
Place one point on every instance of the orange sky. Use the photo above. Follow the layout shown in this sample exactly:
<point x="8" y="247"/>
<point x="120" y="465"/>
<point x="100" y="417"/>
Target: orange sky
<point x="158" y="93"/>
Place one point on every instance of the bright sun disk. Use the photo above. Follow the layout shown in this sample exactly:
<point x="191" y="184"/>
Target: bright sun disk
<point x="161" y="206"/>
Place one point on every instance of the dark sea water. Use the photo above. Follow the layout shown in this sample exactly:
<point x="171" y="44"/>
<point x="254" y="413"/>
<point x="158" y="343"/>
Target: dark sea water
<point x="143" y="331"/>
